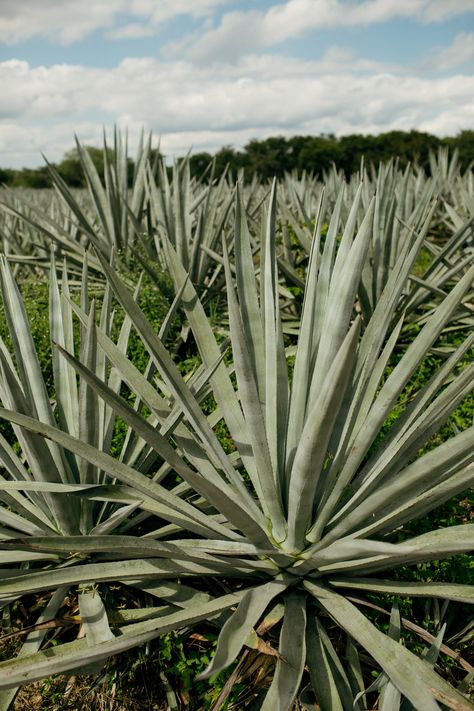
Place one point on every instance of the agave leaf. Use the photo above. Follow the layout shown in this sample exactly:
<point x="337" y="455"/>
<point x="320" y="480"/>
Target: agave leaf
<point x="355" y="676"/>
<point x="114" y="519"/>
<point x="22" y="557"/>
<point x="73" y="655"/>
<point x="290" y="665"/>
<point x="94" y="617"/>
<point x="44" y="486"/>
<point x="176" y="593"/>
<point x="222" y="547"/>
<point x="15" y="523"/>
<point x="95" y="624"/>
<point x="181" y="215"/>
<point x="88" y="412"/>
<point x="359" y="399"/>
<point x="337" y="668"/>
<point x="341" y="296"/>
<point x="213" y="223"/>
<point x="174" y="379"/>
<point x="325" y="273"/>
<point x="62" y="514"/>
<point x="141" y="385"/>
<point x="385" y="400"/>
<point x="401" y="451"/>
<point x="419" y="505"/>
<point x="304" y="354"/>
<point x="129" y="496"/>
<point x="27" y="360"/>
<point x="276" y="377"/>
<point x="420" y="420"/>
<point x="64" y="191"/>
<point x="100" y="199"/>
<point x="323" y="679"/>
<point x="34" y="641"/>
<point x="60" y="325"/>
<point x="128" y="547"/>
<point x="311" y="450"/>
<point x="380" y="682"/>
<point x="370" y="365"/>
<point x="224" y="392"/>
<point x="240" y="624"/>
<point x="398" y="378"/>
<point x="25" y="582"/>
<point x="105" y="415"/>
<point x="434" y="545"/>
<point x="248" y="294"/>
<point x="254" y="641"/>
<point x="296" y="227"/>
<point x="254" y="413"/>
<point x="57" y="234"/>
<point x="30" y="506"/>
<point x="347" y="549"/>
<point x="117" y="374"/>
<point x="128" y="372"/>
<point x="411" y="481"/>
<point x="215" y="489"/>
<point x="412" y="677"/>
<point x="178" y="510"/>
<point x="447" y="591"/>
<point x="390" y="696"/>
<point x="433" y="652"/>
<point x="124" y="616"/>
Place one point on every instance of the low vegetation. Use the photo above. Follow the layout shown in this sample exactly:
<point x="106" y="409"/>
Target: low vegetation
<point x="276" y="156"/>
<point x="237" y="452"/>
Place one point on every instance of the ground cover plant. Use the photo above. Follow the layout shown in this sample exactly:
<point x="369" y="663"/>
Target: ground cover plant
<point x="288" y="541"/>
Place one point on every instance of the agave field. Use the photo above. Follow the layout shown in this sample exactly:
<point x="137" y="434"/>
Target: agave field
<point x="246" y="410"/>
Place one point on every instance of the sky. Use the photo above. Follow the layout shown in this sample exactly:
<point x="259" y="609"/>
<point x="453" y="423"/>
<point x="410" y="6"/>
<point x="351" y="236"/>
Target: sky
<point x="202" y="74"/>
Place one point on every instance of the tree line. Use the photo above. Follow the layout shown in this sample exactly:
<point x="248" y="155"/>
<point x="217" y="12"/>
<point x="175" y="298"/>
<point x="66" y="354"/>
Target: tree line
<point x="276" y="155"/>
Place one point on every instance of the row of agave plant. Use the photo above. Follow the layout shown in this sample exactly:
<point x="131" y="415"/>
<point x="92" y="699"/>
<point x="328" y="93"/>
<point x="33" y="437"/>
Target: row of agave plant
<point x="310" y="513"/>
<point x="195" y="214"/>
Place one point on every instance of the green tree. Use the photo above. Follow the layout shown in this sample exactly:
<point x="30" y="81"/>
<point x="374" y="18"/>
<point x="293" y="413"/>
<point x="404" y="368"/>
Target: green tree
<point x="464" y="142"/>
<point x="7" y="176"/>
<point x="270" y="157"/>
<point x="32" y="178"/>
<point x="199" y="163"/>
<point x="317" y="153"/>
<point x="70" y="168"/>
<point x="228" y="156"/>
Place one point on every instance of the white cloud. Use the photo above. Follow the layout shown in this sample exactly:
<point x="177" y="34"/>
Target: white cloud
<point x="165" y="10"/>
<point x="240" y="32"/>
<point x="131" y="31"/>
<point x="295" y="16"/>
<point x="22" y="144"/>
<point x="68" y="21"/>
<point x="208" y="107"/>
<point x="458" y="53"/>
<point x="440" y="10"/>
<point x="63" y="20"/>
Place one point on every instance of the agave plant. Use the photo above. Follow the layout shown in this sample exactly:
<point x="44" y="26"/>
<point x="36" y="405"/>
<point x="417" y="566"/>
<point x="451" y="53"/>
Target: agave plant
<point x="306" y="513"/>
<point x="193" y="216"/>
<point x="407" y="203"/>
<point x="128" y="222"/>
<point x="109" y="214"/>
<point x="25" y="245"/>
<point x="34" y="482"/>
